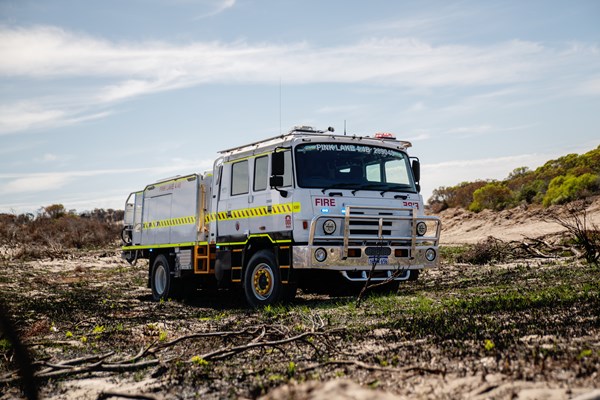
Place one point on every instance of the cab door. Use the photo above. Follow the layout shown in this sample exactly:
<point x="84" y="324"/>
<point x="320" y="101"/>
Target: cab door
<point x="235" y="190"/>
<point x="259" y="201"/>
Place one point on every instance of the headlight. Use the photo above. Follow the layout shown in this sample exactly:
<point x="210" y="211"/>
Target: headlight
<point x="329" y="226"/>
<point x="421" y="228"/>
<point x="320" y="254"/>
<point x="430" y="254"/>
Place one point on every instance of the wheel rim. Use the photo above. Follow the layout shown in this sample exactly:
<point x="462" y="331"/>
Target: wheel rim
<point x="262" y="281"/>
<point x="160" y="279"/>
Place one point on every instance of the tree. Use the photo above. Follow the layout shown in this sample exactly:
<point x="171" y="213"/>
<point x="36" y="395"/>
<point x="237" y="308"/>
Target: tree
<point x="55" y="211"/>
<point x="563" y="189"/>
<point x="494" y="196"/>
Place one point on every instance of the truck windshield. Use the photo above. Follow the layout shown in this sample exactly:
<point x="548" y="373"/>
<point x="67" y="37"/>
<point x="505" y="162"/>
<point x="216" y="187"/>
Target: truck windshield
<point x="353" y="166"/>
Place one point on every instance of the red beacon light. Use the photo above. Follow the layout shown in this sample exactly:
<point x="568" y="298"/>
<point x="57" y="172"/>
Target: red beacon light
<point x="385" y="135"/>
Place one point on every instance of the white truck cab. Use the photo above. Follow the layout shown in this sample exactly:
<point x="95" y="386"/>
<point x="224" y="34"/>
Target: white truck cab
<point x="308" y="209"/>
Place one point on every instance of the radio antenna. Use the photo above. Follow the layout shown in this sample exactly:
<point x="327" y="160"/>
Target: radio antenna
<point x="344" y="127"/>
<point x="280" y="105"/>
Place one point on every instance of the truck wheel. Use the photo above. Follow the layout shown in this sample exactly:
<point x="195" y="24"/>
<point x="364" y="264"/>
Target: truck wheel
<point x="414" y="274"/>
<point x="163" y="284"/>
<point x="262" y="281"/>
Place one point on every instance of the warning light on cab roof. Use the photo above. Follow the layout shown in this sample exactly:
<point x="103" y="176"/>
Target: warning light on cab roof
<point x="384" y="135"/>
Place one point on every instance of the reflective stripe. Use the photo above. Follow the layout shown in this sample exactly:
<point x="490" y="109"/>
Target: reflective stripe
<point x="288" y="208"/>
<point x="166" y="223"/>
<point x="161" y="246"/>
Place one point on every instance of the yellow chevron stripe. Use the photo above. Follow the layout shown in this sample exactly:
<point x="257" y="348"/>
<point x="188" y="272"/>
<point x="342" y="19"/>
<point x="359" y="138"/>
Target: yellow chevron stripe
<point x="242" y="213"/>
<point x="254" y="212"/>
<point x="167" y="223"/>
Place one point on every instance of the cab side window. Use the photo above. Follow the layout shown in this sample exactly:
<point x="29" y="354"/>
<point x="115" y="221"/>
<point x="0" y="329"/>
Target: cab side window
<point x="287" y="175"/>
<point x="239" y="178"/>
<point x="261" y="173"/>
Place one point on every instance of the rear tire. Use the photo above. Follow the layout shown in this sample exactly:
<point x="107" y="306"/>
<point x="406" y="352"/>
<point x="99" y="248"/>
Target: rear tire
<point x="164" y="285"/>
<point x="262" y="280"/>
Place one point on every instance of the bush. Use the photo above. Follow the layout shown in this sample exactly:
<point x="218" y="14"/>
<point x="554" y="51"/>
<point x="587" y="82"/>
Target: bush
<point x="485" y="252"/>
<point x="53" y="231"/>
<point x="460" y="195"/>
<point x="563" y="189"/>
<point x="529" y="186"/>
<point x="586" y="236"/>
<point x="494" y="196"/>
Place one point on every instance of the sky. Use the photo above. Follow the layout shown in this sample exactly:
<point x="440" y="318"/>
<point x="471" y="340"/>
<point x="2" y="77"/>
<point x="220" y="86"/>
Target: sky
<point x="100" y="98"/>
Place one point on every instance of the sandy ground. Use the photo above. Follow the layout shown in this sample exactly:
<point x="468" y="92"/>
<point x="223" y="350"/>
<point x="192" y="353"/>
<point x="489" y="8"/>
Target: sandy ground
<point x="461" y="226"/>
<point x="104" y="272"/>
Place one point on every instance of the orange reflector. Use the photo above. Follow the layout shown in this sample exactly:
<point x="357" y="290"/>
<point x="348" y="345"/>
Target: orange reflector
<point x="353" y="252"/>
<point x="401" y="253"/>
<point x="305" y="224"/>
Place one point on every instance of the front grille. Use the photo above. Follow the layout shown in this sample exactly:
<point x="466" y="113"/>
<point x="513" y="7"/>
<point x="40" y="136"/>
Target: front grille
<point x="378" y="251"/>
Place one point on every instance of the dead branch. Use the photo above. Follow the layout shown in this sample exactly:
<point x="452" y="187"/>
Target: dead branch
<point x="108" y="395"/>
<point x="62" y="369"/>
<point x="530" y="249"/>
<point x="205" y="335"/>
<point x="366" y="285"/>
<point x="80" y="360"/>
<point x="98" y="363"/>
<point x="370" y="367"/>
<point x="586" y="236"/>
<point x="230" y="351"/>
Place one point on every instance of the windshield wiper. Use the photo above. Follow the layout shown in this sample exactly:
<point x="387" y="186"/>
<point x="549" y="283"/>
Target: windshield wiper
<point x="393" y="189"/>
<point x="340" y="185"/>
<point x="369" y="186"/>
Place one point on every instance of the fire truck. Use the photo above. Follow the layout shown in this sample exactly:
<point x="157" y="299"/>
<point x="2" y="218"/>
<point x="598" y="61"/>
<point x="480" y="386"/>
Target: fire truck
<point x="309" y="209"/>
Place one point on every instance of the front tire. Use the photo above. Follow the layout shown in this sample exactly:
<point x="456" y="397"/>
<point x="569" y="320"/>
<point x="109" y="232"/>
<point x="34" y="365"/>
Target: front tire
<point x="262" y="280"/>
<point x="414" y="274"/>
<point x="163" y="284"/>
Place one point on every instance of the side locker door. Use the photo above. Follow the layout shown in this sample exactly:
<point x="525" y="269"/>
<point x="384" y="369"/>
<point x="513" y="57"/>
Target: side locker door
<point x="215" y="203"/>
<point x="137" y="218"/>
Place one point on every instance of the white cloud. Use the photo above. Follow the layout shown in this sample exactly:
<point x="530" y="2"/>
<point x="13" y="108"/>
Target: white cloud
<point x="36" y="183"/>
<point x="51" y="51"/>
<point x="49" y="157"/>
<point x="453" y="172"/>
<point x="590" y="87"/>
<point x="40" y="182"/>
<point x="468" y="131"/>
<point x="31" y="115"/>
<point x="27" y="115"/>
<point x="418" y="106"/>
<point x="340" y="109"/>
<point x="218" y="6"/>
<point x="419" y="137"/>
<point x="135" y="69"/>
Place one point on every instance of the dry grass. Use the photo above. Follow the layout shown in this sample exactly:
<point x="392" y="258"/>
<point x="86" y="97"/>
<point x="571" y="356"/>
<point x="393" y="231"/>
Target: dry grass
<point x="532" y="320"/>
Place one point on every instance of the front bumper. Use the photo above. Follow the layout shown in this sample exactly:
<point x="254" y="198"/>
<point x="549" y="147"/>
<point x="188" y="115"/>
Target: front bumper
<point x="304" y="257"/>
<point x="370" y="237"/>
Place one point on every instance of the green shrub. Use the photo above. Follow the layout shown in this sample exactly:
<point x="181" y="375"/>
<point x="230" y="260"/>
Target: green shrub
<point x="563" y="189"/>
<point x="528" y="186"/>
<point x="494" y="196"/>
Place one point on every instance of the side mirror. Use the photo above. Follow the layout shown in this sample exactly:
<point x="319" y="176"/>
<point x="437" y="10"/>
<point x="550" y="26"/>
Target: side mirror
<point x="277" y="171"/>
<point x="277" y="163"/>
<point x="416" y="169"/>
<point x="276" y="181"/>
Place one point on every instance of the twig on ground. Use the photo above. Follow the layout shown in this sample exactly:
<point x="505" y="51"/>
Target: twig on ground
<point x="370" y="367"/>
<point x="108" y="395"/>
